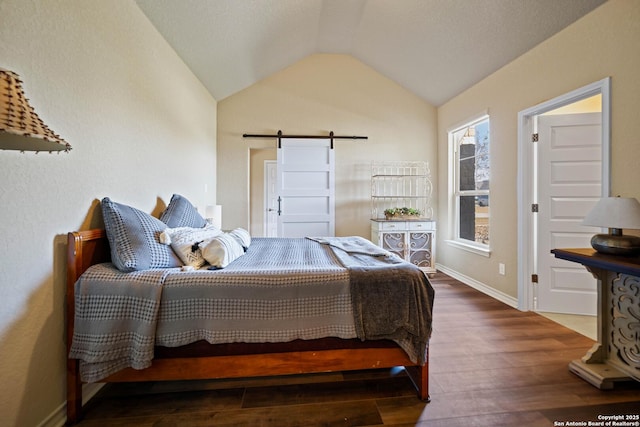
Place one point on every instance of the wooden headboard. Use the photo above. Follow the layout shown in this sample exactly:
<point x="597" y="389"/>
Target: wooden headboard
<point x="85" y="248"/>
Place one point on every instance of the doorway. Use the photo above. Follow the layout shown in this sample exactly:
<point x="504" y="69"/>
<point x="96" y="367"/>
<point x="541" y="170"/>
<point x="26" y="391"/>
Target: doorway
<point x="559" y="279"/>
<point x="270" y="226"/>
<point x="258" y="209"/>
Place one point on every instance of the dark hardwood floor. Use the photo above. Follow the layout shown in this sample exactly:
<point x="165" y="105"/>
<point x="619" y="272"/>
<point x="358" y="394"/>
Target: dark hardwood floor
<point x="490" y="365"/>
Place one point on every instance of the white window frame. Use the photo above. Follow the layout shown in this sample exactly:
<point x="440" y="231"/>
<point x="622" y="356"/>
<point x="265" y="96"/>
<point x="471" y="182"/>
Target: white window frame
<point x="454" y="193"/>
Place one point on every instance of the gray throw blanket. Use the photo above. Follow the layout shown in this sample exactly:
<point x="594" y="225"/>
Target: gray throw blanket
<point x="383" y="310"/>
<point x="352" y="245"/>
<point x="392" y="299"/>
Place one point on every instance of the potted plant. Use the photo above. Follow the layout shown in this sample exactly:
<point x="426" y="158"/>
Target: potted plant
<point x="401" y="213"/>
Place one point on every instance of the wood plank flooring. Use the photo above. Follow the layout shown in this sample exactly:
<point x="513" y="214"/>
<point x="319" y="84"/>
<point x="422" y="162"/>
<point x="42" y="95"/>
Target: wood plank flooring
<point x="490" y="365"/>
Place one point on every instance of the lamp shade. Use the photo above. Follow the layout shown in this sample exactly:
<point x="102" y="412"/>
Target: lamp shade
<point x="20" y="127"/>
<point x="615" y="212"/>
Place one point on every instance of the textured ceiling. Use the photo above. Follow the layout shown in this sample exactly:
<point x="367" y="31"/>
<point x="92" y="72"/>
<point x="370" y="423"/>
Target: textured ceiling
<point x="434" y="48"/>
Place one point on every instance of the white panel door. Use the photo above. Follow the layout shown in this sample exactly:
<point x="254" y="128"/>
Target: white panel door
<point x="306" y="188"/>
<point x="569" y="185"/>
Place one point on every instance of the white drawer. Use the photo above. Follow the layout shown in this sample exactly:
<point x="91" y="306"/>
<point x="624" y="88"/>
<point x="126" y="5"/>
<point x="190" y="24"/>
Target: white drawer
<point x="421" y="225"/>
<point x="392" y="226"/>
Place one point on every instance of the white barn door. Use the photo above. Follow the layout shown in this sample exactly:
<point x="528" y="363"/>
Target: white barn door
<point x="306" y="188"/>
<point x="570" y="184"/>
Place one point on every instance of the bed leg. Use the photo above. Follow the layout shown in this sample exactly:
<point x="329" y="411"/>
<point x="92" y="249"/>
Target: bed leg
<point x="74" y="392"/>
<point x="419" y="375"/>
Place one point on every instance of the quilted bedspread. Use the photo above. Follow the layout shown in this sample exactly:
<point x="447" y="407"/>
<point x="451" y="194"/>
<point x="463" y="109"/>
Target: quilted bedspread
<point x="280" y="290"/>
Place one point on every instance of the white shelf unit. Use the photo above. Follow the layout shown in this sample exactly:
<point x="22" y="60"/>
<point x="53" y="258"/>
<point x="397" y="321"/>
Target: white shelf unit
<point x="404" y="184"/>
<point x="400" y="184"/>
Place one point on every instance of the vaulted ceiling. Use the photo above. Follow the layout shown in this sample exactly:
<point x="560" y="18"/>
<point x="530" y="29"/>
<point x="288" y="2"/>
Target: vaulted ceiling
<point x="434" y="48"/>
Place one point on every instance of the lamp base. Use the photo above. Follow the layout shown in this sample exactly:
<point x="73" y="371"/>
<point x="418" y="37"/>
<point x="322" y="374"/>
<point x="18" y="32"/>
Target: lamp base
<point x="612" y="244"/>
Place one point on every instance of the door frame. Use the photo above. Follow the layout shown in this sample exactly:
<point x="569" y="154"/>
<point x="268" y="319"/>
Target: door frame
<point x="527" y="242"/>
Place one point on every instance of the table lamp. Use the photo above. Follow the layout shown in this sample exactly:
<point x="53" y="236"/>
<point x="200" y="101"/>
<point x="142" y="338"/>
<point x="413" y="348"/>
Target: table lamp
<point x="615" y="213"/>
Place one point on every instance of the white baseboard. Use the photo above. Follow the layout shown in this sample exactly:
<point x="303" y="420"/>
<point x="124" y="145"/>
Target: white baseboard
<point x="58" y="418"/>
<point x="494" y="293"/>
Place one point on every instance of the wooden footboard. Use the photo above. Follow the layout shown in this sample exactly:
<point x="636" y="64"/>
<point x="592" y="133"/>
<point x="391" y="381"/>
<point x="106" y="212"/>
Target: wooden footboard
<point x="86" y="248"/>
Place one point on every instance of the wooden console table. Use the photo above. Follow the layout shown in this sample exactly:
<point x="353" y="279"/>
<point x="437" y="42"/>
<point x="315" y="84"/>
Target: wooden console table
<point x="616" y="355"/>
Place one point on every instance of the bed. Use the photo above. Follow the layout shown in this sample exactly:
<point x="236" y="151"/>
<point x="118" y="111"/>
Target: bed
<point x="90" y="255"/>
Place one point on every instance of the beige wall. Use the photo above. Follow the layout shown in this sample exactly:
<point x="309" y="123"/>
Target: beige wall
<point x="319" y="94"/>
<point x="141" y="126"/>
<point x="603" y="43"/>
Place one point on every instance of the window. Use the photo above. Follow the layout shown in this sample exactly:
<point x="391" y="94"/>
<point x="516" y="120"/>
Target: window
<point x="471" y="172"/>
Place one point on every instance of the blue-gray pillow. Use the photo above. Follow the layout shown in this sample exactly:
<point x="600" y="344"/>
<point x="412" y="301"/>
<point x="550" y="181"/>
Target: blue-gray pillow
<point x="181" y="213"/>
<point x="133" y="238"/>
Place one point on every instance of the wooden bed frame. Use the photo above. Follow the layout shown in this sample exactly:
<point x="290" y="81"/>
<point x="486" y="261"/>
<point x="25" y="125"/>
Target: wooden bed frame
<point x="206" y="361"/>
